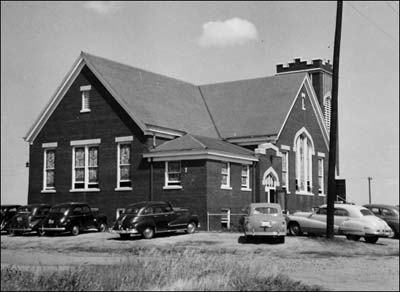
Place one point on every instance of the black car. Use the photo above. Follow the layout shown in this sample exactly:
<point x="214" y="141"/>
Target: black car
<point x="73" y="217"/>
<point x="151" y="217"/>
<point x="7" y="212"/>
<point x="28" y="219"/>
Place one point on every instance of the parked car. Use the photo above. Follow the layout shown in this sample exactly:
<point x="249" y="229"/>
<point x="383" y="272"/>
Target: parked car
<point x="264" y="219"/>
<point x="7" y="212"/>
<point x="388" y="213"/>
<point x="28" y="218"/>
<point x="152" y="217"/>
<point x="350" y="220"/>
<point x="73" y="217"/>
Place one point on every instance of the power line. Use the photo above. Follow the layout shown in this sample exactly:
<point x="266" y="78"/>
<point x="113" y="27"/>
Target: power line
<point x="388" y="4"/>
<point x="372" y="22"/>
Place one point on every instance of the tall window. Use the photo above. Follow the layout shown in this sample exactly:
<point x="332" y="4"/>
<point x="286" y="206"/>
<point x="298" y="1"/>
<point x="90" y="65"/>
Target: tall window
<point x="285" y="170"/>
<point x="49" y="169"/>
<point x="304" y="150"/>
<point x="245" y="177"/>
<point x="85" y="98"/>
<point x="124" y="165"/>
<point x="85" y="167"/>
<point x="225" y="175"/>
<point x="320" y="175"/>
<point x="327" y="108"/>
<point x="172" y="173"/>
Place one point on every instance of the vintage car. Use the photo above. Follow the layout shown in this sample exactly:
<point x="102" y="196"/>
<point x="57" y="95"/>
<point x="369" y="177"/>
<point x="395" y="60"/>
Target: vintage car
<point x="7" y="212"/>
<point x="388" y="213"/>
<point x="350" y="220"/>
<point x="73" y="217"/>
<point x="152" y="217"/>
<point x="28" y="219"/>
<point x="264" y="219"/>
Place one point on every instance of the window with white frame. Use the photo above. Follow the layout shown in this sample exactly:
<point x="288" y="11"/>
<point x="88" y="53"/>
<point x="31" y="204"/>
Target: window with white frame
<point x="304" y="150"/>
<point x="225" y="175"/>
<point x="85" y="169"/>
<point x="320" y="175"/>
<point x="245" y="177"/>
<point x="85" y="98"/>
<point x="172" y="173"/>
<point x="49" y="169"/>
<point x="303" y="101"/>
<point x="285" y="169"/>
<point x="124" y="165"/>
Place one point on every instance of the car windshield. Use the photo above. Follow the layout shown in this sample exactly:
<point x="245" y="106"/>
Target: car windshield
<point x="59" y="210"/>
<point x="26" y="209"/>
<point x="133" y="209"/>
<point x="366" y="212"/>
<point x="264" y="210"/>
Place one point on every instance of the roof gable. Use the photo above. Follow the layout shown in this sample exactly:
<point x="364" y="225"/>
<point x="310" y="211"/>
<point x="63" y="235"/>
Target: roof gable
<point x="252" y="107"/>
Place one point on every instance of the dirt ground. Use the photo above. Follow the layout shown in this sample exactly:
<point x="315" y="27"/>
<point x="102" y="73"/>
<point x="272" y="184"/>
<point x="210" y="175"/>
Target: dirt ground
<point x="335" y="265"/>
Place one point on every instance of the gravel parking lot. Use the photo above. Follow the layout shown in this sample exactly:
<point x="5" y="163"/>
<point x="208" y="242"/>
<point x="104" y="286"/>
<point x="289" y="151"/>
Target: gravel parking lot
<point x="335" y="265"/>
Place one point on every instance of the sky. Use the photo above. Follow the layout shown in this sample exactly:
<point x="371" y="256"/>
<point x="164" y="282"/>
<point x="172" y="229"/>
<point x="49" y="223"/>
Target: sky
<point x="210" y="42"/>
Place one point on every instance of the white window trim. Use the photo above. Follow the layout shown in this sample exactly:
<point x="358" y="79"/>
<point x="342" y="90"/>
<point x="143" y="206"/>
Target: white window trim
<point x="286" y="153"/>
<point x="167" y="181"/>
<point x="303" y="98"/>
<point x="46" y="147"/>
<point x="309" y="152"/>
<point x="85" y="88"/>
<point x="122" y="141"/>
<point x="86" y="182"/>
<point x="321" y="158"/>
<point x="228" y="185"/>
<point x="247" y="186"/>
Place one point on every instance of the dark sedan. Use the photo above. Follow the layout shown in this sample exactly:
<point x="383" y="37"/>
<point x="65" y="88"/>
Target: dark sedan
<point x="388" y="213"/>
<point x="28" y="219"/>
<point x="7" y="212"/>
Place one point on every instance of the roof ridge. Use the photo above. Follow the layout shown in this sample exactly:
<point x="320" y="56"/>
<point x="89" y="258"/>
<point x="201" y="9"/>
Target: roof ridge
<point x="197" y="140"/>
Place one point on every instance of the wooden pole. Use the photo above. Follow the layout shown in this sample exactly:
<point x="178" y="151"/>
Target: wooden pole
<point x="333" y="127"/>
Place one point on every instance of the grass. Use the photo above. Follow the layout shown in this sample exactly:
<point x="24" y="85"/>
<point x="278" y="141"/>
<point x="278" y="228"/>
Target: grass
<point x="186" y="270"/>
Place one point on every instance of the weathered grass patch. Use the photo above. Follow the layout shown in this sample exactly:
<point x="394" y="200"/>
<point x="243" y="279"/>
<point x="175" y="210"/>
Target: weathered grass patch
<point x="162" y="271"/>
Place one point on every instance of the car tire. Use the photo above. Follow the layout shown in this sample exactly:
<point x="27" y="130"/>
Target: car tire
<point x="353" y="237"/>
<point x="102" y="227"/>
<point x="41" y="232"/>
<point x="191" y="227"/>
<point x="124" y="235"/>
<point x="294" y="229"/>
<point x="75" y="230"/>
<point x="371" y="239"/>
<point x="148" y="233"/>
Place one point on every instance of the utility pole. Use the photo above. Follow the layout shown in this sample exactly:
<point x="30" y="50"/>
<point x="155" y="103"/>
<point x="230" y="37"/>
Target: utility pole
<point x="369" y="188"/>
<point x="333" y="128"/>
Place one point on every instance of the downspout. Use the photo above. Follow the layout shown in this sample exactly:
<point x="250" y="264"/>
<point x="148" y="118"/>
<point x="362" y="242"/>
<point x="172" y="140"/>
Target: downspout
<point x="151" y="179"/>
<point x="253" y="187"/>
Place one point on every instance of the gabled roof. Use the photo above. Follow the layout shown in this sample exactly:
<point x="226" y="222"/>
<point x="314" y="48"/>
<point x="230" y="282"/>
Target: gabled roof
<point x="252" y="107"/>
<point x="197" y="147"/>
<point x="244" y="108"/>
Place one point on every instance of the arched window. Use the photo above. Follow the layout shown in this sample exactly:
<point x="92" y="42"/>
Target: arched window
<point x="304" y="148"/>
<point x="327" y="112"/>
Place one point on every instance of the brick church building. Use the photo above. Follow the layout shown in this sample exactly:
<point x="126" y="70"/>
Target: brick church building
<point x="113" y="135"/>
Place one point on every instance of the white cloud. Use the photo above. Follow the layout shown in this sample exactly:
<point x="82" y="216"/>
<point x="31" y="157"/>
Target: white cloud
<point x="103" y="7"/>
<point x="234" y="31"/>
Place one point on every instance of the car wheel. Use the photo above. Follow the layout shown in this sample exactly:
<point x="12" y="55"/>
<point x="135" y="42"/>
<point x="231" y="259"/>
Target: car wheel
<point x="353" y="237"/>
<point x="41" y="232"/>
<point x="124" y="236"/>
<point x="75" y="230"/>
<point x="148" y="233"/>
<point x="294" y="229"/>
<point x="371" y="239"/>
<point x="102" y="227"/>
<point x="191" y="228"/>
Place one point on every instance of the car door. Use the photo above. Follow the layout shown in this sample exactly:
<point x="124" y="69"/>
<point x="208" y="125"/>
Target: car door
<point x="88" y="218"/>
<point x="316" y="222"/>
<point x="160" y="218"/>
<point x="340" y="216"/>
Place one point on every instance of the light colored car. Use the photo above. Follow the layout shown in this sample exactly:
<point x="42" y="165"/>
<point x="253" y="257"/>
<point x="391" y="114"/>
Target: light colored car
<point x="350" y="220"/>
<point x="264" y="219"/>
<point x="388" y="213"/>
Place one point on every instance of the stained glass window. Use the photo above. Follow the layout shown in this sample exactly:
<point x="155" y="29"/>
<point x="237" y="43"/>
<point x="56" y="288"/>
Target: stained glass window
<point x="124" y="165"/>
<point x="86" y="167"/>
<point x="50" y="156"/>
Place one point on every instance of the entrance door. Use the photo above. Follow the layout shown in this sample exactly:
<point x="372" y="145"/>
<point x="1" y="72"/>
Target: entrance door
<point x="270" y="189"/>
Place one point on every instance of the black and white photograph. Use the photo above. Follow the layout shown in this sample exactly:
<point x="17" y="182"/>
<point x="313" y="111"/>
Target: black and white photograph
<point x="200" y="146"/>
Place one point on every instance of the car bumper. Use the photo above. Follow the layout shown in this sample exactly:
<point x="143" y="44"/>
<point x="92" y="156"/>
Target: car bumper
<point x="264" y="233"/>
<point x="385" y="233"/>
<point x="125" y="231"/>
<point x="53" y="229"/>
<point x="21" y="229"/>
